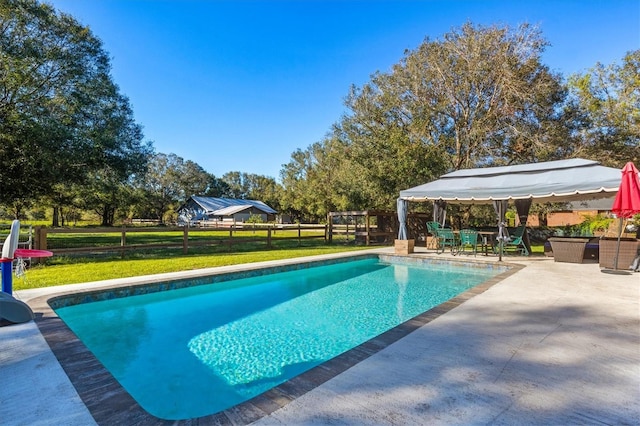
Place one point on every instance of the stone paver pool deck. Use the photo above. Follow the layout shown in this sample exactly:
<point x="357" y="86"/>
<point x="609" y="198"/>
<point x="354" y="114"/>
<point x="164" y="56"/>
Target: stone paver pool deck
<point x="552" y="343"/>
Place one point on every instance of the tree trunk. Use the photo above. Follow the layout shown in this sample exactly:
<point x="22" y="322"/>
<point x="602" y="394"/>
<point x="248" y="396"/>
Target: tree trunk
<point x="108" y="215"/>
<point x="55" y="221"/>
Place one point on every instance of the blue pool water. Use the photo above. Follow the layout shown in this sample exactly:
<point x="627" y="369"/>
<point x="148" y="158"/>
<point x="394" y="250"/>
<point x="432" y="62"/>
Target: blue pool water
<point x="195" y="351"/>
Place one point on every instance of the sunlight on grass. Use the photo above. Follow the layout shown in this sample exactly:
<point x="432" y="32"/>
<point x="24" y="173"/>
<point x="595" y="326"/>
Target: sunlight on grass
<point x="52" y="275"/>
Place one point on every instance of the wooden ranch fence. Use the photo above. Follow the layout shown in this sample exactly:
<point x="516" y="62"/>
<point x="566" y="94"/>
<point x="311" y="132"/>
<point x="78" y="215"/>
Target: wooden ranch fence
<point x="106" y="239"/>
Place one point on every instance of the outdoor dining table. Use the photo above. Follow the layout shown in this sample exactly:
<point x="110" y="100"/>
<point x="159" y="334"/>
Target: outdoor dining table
<point x="487" y="239"/>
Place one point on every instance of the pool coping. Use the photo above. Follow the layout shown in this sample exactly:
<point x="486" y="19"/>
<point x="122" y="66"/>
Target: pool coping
<point x="109" y="403"/>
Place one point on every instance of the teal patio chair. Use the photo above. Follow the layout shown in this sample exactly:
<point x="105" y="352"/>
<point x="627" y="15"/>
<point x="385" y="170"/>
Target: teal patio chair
<point x="468" y="239"/>
<point x="516" y="242"/>
<point x="447" y="238"/>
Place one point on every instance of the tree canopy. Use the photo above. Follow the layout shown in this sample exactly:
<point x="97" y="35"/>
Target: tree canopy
<point x="607" y="99"/>
<point x="478" y="96"/>
<point x="62" y="118"/>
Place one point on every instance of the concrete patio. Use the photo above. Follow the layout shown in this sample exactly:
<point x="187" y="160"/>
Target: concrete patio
<point x="554" y="343"/>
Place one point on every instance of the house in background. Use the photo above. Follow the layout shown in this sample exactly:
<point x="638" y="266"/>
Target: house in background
<point x="574" y="213"/>
<point x="225" y="210"/>
<point x="577" y="211"/>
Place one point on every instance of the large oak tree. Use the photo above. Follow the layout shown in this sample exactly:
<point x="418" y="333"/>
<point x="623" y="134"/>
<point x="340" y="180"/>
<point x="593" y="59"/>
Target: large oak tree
<point x="607" y="101"/>
<point x="478" y="96"/>
<point x="63" y="121"/>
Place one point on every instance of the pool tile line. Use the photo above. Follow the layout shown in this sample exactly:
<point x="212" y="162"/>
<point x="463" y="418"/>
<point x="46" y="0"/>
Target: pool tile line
<point x="109" y="403"/>
<point x="154" y="286"/>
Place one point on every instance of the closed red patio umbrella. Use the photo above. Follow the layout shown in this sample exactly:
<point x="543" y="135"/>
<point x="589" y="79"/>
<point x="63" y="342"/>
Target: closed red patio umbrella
<point x="627" y="201"/>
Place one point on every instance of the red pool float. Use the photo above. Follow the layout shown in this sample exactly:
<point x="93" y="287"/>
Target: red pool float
<point x="32" y="253"/>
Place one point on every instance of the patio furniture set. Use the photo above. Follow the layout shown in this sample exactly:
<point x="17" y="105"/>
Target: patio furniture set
<point x="460" y="241"/>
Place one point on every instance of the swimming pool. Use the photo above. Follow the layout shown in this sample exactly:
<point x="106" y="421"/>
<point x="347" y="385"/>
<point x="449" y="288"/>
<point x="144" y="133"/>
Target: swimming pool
<point x="200" y="349"/>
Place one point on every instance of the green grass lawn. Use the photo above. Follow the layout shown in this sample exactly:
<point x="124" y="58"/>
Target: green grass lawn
<point x="61" y="270"/>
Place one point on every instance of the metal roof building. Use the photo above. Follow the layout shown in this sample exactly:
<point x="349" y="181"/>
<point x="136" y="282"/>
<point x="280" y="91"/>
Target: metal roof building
<point x="198" y="208"/>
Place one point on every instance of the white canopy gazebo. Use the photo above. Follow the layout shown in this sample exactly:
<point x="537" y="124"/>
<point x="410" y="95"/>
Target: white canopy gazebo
<point x="551" y="181"/>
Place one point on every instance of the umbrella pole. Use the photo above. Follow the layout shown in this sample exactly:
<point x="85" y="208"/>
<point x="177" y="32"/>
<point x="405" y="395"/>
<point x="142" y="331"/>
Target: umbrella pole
<point x="500" y="240"/>
<point x="615" y="259"/>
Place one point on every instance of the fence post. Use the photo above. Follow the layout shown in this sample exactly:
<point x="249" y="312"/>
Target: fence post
<point x="40" y="241"/>
<point x="123" y="241"/>
<point x="41" y="238"/>
<point x="329" y="229"/>
<point x="269" y="236"/>
<point x="298" y="234"/>
<point x="367" y="228"/>
<point x="185" y="239"/>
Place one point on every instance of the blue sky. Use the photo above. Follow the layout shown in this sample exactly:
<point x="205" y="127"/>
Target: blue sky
<point x="240" y="85"/>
